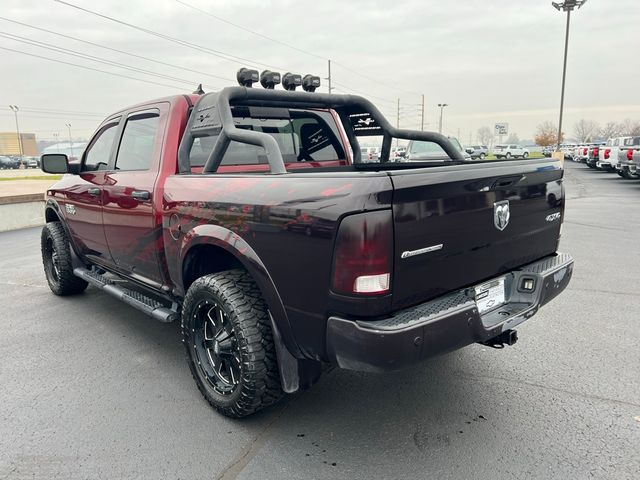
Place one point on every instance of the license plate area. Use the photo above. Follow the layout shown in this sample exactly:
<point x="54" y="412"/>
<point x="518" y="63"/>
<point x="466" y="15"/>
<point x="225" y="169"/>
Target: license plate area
<point x="490" y="295"/>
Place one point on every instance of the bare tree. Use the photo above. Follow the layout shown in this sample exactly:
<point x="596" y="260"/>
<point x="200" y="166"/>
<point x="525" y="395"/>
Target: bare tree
<point x="485" y="135"/>
<point x="585" y="130"/>
<point x="547" y="134"/>
<point x="611" y="129"/>
<point x="630" y="127"/>
<point x="513" y="138"/>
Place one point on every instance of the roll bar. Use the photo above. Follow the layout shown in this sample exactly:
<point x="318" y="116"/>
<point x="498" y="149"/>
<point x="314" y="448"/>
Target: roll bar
<point x="212" y="116"/>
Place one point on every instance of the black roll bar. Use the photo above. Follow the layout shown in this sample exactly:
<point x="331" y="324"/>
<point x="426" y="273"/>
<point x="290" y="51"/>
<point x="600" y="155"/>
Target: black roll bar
<point x="351" y="109"/>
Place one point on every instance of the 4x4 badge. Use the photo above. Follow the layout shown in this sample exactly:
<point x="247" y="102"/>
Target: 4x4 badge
<point x="501" y="214"/>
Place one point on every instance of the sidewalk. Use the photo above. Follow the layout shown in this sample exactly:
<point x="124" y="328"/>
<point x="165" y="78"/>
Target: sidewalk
<point x="22" y="201"/>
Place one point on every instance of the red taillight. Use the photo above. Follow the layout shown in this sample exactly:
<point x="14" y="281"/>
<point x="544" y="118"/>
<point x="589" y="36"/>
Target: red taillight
<point x="596" y="151"/>
<point x="363" y="254"/>
<point x="629" y="154"/>
<point x="607" y="152"/>
<point x="584" y="152"/>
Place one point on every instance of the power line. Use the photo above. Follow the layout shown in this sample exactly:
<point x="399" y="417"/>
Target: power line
<point x="52" y="110"/>
<point x="217" y="53"/>
<point x="395" y="87"/>
<point x="89" y="68"/>
<point x="159" y="62"/>
<point x="85" y="56"/>
<point x="262" y="35"/>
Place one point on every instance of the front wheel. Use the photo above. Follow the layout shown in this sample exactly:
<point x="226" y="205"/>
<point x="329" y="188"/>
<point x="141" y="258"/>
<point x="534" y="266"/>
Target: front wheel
<point x="56" y="259"/>
<point x="508" y="155"/>
<point x="229" y="344"/>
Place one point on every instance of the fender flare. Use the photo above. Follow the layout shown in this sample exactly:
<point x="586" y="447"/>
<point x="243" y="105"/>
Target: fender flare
<point x="234" y="244"/>
<point x="54" y="206"/>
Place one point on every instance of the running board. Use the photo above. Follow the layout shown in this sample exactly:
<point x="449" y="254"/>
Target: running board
<point x="137" y="300"/>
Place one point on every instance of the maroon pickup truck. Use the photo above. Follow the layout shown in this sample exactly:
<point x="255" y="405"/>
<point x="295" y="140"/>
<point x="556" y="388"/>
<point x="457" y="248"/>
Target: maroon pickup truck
<point x="249" y="215"/>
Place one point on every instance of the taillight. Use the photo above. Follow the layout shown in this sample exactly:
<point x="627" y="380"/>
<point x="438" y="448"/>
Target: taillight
<point x="363" y="254"/>
<point x="584" y="152"/>
<point x="606" y="153"/>
<point x="596" y="151"/>
<point x="629" y="154"/>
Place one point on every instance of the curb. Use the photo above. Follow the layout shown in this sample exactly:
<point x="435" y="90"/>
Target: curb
<point x="21" y="211"/>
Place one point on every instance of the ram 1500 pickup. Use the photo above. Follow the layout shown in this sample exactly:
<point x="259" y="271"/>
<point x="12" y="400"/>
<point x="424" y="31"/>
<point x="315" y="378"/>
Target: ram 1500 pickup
<point x="249" y="215"/>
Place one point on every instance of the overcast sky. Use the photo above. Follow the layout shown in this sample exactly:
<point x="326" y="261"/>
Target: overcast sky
<point x="491" y="60"/>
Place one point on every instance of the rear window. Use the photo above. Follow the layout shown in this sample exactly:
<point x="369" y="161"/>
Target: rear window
<point x="306" y="136"/>
<point x="631" y="142"/>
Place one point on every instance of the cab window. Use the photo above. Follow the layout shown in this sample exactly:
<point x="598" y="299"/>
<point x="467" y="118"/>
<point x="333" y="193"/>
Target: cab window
<point x="99" y="152"/>
<point x="138" y="141"/>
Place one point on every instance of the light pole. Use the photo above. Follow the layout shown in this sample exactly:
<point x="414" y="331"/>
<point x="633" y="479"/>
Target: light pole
<point x="566" y="6"/>
<point x="68" y="125"/>
<point x="441" y="105"/>
<point x="56" y="136"/>
<point x="15" y="109"/>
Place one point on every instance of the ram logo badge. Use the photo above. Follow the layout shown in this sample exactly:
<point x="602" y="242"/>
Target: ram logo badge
<point x="553" y="217"/>
<point x="501" y="214"/>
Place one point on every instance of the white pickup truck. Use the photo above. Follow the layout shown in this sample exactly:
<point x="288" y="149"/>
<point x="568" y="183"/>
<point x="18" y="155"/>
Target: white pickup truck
<point x="510" y="151"/>
<point x="628" y="158"/>
<point x="608" y="156"/>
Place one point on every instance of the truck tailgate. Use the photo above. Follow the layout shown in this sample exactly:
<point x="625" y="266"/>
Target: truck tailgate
<point x="452" y="229"/>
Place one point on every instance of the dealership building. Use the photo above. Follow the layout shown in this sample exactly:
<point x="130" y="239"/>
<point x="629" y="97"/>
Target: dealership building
<point x="10" y="146"/>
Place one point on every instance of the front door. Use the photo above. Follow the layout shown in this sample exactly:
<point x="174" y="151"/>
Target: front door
<point x="132" y="225"/>
<point x="83" y="202"/>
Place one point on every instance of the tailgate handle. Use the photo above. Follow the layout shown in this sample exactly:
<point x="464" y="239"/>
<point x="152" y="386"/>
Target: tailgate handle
<point x="507" y="182"/>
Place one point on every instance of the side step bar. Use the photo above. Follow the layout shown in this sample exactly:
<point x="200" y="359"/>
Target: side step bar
<point x="137" y="300"/>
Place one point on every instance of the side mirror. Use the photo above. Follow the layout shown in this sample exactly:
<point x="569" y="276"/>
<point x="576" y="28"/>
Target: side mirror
<point x="57" y="163"/>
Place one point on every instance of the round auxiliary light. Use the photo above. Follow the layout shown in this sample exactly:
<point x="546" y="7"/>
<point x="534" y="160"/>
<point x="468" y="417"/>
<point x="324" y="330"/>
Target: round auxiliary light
<point x="269" y="79"/>
<point x="310" y="83"/>
<point x="247" y="77"/>
<point x="291" y="80"/>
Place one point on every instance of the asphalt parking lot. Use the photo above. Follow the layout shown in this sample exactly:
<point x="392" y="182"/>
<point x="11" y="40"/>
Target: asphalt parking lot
<point x="90" y="388"/>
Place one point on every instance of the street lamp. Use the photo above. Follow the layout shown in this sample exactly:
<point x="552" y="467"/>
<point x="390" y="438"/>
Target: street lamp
<point x="68" y="125"/>
<point x="566" y="6"/>
<point x="441" y="105"/>
<point x="56" y="136"/>
<point x="15" y="109"/>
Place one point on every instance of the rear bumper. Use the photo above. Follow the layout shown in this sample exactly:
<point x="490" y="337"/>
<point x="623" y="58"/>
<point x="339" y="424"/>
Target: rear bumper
<point x="444" y="324"/>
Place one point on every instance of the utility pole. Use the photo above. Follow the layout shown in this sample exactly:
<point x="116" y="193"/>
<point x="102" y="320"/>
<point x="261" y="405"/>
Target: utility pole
<point x="56" y="136"/>
<point x="68" y="125"/>
<point x="15" y="109"/>
<point x="441" y="105"/>
<point x="398" y="121"/>
<point x="329" y="77"/>
<point x="422" y="119"/>
<point x="567" y="6"/>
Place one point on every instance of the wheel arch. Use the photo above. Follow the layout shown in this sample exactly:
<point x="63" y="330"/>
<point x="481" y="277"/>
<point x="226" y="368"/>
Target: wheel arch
<point x="215" y="248"/>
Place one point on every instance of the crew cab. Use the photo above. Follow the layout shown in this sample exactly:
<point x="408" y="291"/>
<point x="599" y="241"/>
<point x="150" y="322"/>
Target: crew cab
<point x="250" y="216"/>
<point x="628" y="158"/>
<point x="510" y="151"/>
<point x="608" y="155"/>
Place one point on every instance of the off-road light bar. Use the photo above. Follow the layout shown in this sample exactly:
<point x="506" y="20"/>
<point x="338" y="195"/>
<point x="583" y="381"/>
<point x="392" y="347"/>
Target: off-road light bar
<point x="310" y="83"/>
<point x="247" y="77"/>
<point x="291" y="80"/>
<point x="269" y="79"/>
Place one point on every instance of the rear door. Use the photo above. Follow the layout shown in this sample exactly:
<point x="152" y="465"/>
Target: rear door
<point x="84" y="201"/>
<point x="457" y="226"/>
<point x="132" y="223"/>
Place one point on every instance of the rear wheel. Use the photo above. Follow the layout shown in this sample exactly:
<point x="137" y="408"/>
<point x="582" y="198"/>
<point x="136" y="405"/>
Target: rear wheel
<point x="56" y="259"/>
<point x="525" y="155"/>
<point x="227" y="334"/>
<point x="508" y="155"/>
<point x="482" y="155"/>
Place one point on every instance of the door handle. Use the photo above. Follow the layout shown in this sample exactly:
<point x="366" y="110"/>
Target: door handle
<point x="141" y="195"/>
<point x="94" y="192"/>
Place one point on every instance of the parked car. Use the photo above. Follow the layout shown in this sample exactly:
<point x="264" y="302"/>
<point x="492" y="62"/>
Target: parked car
<point x="9" y="163"/>
<point x="187" y="218"/>
<point x="608" y="155"/>
<point x="628" y="156"/>
<point x="548" y="151"/>
<point x="420" y="151"/>
<point x="370" y="154"/>
<point x="31" y="162"/>
<point x="593" y="154"/>
<point x="478" y="151"/>
<point x="510" y="151"/>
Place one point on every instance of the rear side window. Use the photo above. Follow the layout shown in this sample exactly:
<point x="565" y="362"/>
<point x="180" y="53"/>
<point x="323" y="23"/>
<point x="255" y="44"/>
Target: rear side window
<point x="138" y="142"/>
<point x="305" y="136"/>
<point x="99" y="152"/>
